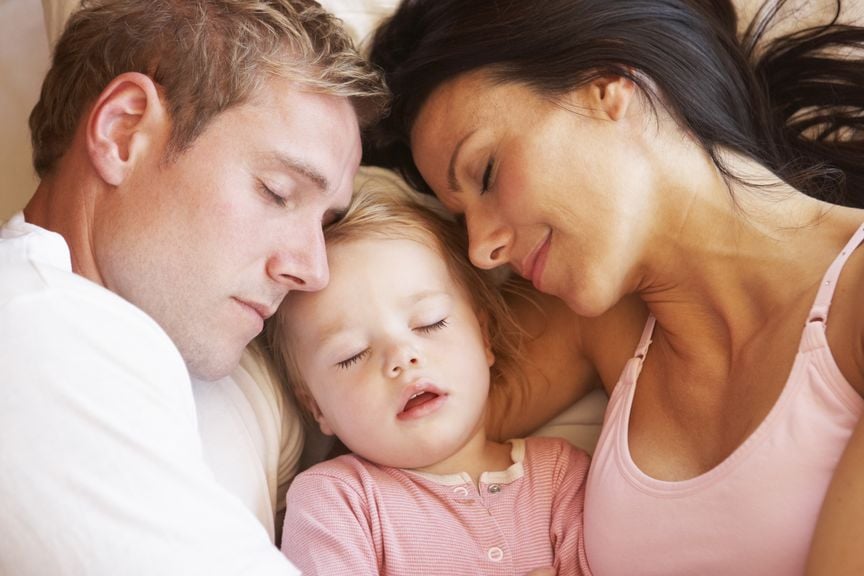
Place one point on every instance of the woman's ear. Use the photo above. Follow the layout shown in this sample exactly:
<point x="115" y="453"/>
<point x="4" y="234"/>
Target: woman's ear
<point x="612" y="95"/>
<point x="126" y="118"/>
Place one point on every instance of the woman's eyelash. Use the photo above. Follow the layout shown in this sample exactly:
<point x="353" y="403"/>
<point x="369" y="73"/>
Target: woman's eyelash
<point x="347" y="363"/>
<point x="432" y="327"/>
<point x="487" y="176"/>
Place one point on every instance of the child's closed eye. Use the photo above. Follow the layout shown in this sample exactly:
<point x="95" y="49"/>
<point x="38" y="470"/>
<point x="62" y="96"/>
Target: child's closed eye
<point x="432" y="327"/>
<point x="348" y="362"/>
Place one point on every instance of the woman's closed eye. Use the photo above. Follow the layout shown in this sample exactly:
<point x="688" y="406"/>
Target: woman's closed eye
<point x="348" y="362"/>
<point x="487" y="176"/>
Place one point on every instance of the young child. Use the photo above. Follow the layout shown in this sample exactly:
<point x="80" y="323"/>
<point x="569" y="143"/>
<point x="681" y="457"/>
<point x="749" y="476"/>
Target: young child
<point x="394" y="358"/>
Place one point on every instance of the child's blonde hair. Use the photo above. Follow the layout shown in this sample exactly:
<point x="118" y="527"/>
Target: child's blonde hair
<point x="390" y="212"/>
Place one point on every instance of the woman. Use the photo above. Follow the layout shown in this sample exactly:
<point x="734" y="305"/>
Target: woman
<point x="633" y="158"/>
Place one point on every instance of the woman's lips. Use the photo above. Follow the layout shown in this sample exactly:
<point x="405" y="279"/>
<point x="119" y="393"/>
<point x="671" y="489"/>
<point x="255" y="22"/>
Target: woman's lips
<point x="540" y="263"/>
<point x="534" y="264"/>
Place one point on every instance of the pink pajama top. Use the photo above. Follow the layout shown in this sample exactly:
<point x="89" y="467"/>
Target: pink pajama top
<point x="756" y="511"/>
<point x="348" y="516"/>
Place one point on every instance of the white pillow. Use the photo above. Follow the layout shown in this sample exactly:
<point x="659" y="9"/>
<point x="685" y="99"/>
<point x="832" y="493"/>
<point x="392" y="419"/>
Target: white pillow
<point x="360" y="16"/>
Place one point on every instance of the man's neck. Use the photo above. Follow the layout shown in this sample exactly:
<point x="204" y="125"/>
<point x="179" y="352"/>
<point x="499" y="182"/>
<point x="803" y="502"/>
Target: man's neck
<point x="64" y="206"/>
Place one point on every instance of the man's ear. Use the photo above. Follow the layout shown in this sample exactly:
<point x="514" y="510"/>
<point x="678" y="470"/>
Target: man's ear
<point x="123" y="122"/>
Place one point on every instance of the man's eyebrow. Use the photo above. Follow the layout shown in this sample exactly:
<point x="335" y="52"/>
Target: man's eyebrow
<point x="300" y="167"/>
<point x="451" y="169"/>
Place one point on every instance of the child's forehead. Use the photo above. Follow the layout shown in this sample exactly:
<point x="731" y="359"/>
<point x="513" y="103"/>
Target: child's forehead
<point x="397" y="271"/>
<point x="424" y="250"/>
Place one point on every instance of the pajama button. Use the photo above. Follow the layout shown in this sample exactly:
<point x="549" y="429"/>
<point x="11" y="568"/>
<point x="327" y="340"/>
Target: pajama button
<point x="494" y="488"/>
<point x="461" y="491"/>
<point x="495" y="554"/>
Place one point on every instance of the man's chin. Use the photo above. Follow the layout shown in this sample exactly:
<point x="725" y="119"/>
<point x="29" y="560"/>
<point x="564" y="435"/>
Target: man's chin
<point x="214" y="366"/>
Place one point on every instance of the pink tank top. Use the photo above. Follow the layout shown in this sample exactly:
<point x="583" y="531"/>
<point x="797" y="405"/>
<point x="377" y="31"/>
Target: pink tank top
<point x="755" y="512"/>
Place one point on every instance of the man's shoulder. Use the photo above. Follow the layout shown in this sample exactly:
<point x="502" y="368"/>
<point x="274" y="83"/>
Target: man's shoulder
<point x="57" y="324"/>
<point x="38" y="288"/>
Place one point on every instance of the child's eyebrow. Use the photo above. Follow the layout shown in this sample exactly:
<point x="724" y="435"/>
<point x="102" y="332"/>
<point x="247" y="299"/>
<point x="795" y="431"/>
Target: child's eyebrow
<point x="427" y="294"/>
<point x="331" y="328"/>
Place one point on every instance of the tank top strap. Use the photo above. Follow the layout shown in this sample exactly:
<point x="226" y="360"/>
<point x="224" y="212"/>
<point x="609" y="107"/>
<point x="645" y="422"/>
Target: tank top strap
<point x="645" y="341"/>
<point x="819" y="311"/>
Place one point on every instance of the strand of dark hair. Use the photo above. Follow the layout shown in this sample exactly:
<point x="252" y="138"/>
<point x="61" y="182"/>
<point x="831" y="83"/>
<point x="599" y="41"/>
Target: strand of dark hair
<point x="795" y="105"/>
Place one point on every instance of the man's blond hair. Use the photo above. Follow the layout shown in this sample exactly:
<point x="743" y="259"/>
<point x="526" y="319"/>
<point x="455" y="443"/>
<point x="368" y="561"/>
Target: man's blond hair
<point x="206" y="55"/>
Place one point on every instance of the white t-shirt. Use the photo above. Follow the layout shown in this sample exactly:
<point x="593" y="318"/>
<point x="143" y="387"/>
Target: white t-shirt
<point x="101" y="465"/>
<point x="252" y="435"/>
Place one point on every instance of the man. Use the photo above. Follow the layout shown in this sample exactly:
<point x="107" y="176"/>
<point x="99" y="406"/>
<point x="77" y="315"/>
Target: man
<point x="189" y="154"/>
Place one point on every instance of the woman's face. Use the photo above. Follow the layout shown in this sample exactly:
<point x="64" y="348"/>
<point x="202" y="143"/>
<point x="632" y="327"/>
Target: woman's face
<point x="556" y="189"/>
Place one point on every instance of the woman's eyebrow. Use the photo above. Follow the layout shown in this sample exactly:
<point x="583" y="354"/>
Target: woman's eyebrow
<point x="451" y="169"/>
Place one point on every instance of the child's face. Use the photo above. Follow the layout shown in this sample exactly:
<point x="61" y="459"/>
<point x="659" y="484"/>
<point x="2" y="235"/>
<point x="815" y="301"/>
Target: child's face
<point x="393" y="353"/>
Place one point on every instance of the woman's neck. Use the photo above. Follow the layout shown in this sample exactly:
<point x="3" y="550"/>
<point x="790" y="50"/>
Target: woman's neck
<point x="727" y="258"/>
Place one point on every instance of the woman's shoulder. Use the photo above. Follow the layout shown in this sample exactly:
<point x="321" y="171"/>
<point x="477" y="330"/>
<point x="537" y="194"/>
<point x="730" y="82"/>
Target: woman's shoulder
<point x="845" y="323"/>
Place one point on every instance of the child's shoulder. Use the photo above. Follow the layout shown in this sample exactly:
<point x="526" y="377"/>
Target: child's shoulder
<point x="346" y="474"/>
<point x="553" y="449"/>
<point x="345" y="464"/>
<point x="349" y="468"/>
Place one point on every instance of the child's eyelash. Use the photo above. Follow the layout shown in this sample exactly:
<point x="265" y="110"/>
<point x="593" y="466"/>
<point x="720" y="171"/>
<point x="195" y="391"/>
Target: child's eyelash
<point x="432" y="327"/>
<point x="347" y="363"/>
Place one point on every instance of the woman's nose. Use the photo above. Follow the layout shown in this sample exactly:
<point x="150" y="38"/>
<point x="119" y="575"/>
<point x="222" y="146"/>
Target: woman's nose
<point x="489" y="240"/>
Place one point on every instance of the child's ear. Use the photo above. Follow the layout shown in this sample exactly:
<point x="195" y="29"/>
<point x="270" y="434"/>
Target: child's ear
<point x="321" y="420"/>
<point x="483" y="318"/>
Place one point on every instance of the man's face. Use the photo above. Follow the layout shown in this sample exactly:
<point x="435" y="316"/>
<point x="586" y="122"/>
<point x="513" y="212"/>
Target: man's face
<point x="210" y="243"/>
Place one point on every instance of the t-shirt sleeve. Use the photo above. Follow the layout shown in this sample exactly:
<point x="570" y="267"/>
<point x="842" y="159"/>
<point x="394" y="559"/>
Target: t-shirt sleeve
<point x="101" y="466"/>
<point x="566" y="530"/>
<point x="328" y="529"/>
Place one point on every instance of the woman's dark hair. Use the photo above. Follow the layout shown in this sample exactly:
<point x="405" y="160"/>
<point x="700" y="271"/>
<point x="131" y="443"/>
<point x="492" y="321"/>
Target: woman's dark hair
<point x="793" y="105"/>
